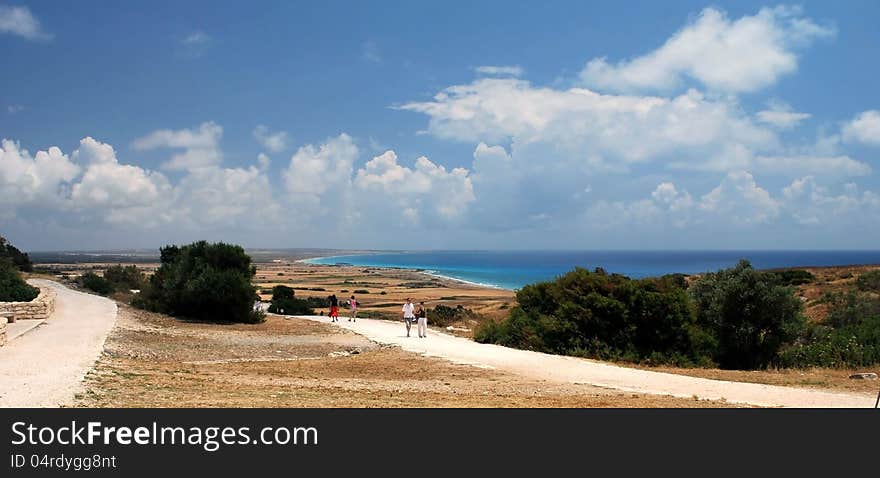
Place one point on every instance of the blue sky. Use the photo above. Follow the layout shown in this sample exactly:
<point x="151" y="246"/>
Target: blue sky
<point x="644" y="125"/>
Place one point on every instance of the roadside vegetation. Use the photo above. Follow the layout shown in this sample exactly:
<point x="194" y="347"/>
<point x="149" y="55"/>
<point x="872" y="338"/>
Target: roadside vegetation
<point x="13" y="262"/>
<point x="13" y="288"/>
<point x="115" y="279"/>
<point x="284" y="301"/>
<point x="205" y="281"/>
<point x="737" y="318"/>
<point x="20" y="260"/>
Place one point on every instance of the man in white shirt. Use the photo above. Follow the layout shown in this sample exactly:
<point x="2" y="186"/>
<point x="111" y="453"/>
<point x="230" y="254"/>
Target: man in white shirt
<point x="408" y="315"/>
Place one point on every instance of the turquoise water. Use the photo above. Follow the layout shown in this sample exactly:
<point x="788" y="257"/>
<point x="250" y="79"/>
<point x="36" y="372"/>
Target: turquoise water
<point x="513" y="269"/>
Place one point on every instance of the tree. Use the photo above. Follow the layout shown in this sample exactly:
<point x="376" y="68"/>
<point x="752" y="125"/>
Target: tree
<point x="21" y="260"/>
<point x="749" y="313"/>
<point x="284" y="299"/>
<point x="203" y="281"/>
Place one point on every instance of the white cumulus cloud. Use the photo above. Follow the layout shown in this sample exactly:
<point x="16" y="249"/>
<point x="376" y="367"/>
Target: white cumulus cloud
<point x="741" y="55"/>
<point x="201" y="146"/>
<point x="21" y="22"/>
<point x="273" y="142"/>
<point x="864" y="128"/>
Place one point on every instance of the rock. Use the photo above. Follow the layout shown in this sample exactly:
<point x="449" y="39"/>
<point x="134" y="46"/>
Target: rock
<point x="864" y="376"/>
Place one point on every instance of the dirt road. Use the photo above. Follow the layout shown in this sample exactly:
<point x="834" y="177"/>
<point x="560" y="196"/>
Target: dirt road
<point x="581" y="371"/>
<point x="46" y="366"/>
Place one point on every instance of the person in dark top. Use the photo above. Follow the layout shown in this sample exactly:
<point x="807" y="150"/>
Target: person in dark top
<point x="334" y="308"/>
<point x="422" y="320"/>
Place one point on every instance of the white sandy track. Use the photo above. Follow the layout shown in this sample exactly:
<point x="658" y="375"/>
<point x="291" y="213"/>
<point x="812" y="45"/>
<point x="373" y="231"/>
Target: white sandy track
<point x="46" y="366"/>
<point x="576" y="370"/>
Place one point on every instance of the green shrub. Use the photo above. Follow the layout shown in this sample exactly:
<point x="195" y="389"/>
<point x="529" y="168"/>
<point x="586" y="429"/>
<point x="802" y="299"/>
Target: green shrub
<point x="793" y="276"/>
<point x="12" y="287"/>
<point x="382" y="292"/>
<point x="601" y="315"/>
<point x="125" y="277"/>
<point x="18" y="259"/>
<point x="96" y="283"/>
<point x="849" y="336"/>
<point x="203" y="281"/>
<point x="869" y="281"/>
<point x="443" y="315"/>
<point x="284" y="299"/>
<point x="361" y="291"/>
<point x="749" y="315"/>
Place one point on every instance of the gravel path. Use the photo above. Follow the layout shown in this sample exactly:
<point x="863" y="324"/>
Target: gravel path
<point x="576" y="370"/>
<point x="46" y="366"/>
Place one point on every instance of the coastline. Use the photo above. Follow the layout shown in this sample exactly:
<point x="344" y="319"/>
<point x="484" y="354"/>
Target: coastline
<point x="510" y="272"/>
<point x="426" y="272"/>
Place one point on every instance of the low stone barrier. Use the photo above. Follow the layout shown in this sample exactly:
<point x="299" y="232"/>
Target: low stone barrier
<point x="38" y="309"/>
<point x="2" y="331"/>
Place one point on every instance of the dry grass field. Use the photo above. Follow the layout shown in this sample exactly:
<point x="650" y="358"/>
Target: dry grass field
<point x="152" y="360"/>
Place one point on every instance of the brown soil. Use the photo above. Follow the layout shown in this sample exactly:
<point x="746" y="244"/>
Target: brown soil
<point x="820" y="378"/>
<point x="387" y="288"/>
<point x="152" y="360"/>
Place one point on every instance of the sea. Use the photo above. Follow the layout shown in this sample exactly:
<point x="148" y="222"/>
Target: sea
<point x="514" y="269"/>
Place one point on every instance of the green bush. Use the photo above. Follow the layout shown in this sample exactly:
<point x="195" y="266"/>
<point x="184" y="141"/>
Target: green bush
<point x="793" y="276"/>
<point x="361" y="291"/>
<point x="443" y="315"/>
<point x="748" y="313"/>
<point x="284" y="299"/>
<point x="19" y="259"/>
<point x="125" y="277"/>
<point x="96" y="283"/>
<point x="601" y="315"/>
<point x="869" y="281"/>
<point x="203" y="281"/>
<point x="12" y="287"/>
<point x="849" y="336"/>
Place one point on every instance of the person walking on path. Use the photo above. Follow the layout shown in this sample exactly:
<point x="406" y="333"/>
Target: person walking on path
<point x="334" y="308"/>
<point x="422" y="318"/>
<point x="408" y="315"/>
<point x="353" y="304"/>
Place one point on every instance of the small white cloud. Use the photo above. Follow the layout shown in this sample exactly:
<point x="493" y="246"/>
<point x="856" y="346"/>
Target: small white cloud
<point x="370" y="52"/>
<point x="12" y="109"/>
<point x="781" y="116"/>
<point x="499" y="70"/>
<point x="263" y="162"/>
<point x="273" y="142"/>
<point x="196" y="38"/>
<point x="20" y="21"/>
<point x="864" y="128"/>
<point x="829" y="166"/>
<point x="201" y="146"/>
<point x="195" y="44"/>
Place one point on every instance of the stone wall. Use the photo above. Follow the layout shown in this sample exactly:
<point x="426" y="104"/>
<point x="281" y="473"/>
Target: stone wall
<point x="39" y="308"/>
<point x="2" y="331"/>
